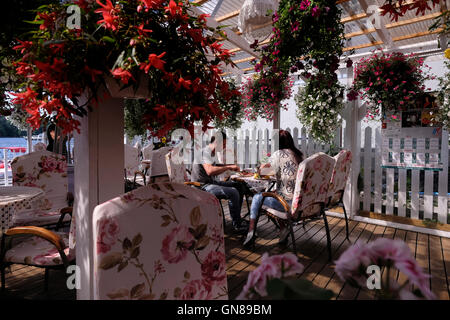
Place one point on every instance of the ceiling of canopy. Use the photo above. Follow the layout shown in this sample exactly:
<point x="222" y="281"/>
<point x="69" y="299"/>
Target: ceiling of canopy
<point x="409" y="34"/>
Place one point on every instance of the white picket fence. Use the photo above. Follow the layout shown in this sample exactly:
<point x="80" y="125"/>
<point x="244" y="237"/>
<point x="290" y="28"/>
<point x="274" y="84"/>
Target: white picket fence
<point x="417" y="194"/>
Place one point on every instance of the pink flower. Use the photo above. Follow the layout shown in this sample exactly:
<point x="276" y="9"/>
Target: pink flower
<point x="277" y="266"/>
<point x="213" y="267"/>
<point x="196" y="290"/>
<point x="176" y="244"/>
<point x="49" y="164"/>
<point x="315" y="12"/>
<point x="349" y="264"/>
<point x="107" y="234"/>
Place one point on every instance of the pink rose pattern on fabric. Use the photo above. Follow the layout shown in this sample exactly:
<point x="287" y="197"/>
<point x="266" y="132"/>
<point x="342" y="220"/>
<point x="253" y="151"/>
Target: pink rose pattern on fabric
<point x="176" y="244"/>
<point x="107" y="235"/>
<point x="196" y="290"/>
<point x="213" y="267"/>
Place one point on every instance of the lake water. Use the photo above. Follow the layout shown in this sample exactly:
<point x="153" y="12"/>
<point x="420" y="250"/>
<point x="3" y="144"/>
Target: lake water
<point x="14" y="142"/>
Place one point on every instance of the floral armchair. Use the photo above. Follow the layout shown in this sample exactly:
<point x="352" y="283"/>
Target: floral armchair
<point x="161" y="241"/>
<point x="48" y="171"/>
<point x="310" y="195"/>
<point x="40" y="146"/>
<point x="43" y="248"/>
<point x="132" y="163"/>
<point x="158" y="168"/>
<point x="338" y="182"/>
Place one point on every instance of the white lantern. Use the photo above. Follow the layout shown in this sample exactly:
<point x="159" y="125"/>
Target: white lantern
<point x="254" y="21"/>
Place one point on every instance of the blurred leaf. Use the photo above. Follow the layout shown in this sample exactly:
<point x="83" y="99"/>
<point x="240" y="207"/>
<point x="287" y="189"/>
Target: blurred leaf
<point x="110" y="260"/>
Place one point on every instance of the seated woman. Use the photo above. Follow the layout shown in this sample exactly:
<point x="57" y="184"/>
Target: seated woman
<point x="284" y="163"/>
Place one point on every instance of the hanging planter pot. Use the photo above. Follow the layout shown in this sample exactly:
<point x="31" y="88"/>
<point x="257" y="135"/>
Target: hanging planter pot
<point x="118" y="90"/>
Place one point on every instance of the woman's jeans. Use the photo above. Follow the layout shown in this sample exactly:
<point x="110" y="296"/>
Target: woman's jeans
<point x="268" y="201"/>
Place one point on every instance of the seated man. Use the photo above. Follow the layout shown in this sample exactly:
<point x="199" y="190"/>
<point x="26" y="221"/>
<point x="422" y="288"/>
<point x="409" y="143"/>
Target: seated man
<point x="207" y="171"/>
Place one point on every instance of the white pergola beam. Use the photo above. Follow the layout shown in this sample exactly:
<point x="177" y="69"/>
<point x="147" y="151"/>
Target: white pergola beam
<point x="380" y="29"/>
<point x="231" y="36"/>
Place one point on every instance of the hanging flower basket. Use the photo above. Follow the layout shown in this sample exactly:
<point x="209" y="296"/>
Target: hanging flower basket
<point x="390" y="82"/>
<point x="158" y="47"/>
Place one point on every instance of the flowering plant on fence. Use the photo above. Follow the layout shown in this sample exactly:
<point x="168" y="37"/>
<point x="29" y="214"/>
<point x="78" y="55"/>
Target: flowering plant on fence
<point x="274" y="279"/>
<point x="263" y="95"/>
<point x="390" y="81"/>
<point x="443" y="115"/>
<point x="352" y="267"/>
<point x="319" y="105"/>
<point x="159" y="44"/>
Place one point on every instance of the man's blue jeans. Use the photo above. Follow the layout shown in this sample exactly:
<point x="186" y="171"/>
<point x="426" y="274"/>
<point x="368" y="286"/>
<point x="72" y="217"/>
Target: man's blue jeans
<point x="268" y="201"/>
<point x="230" y="191"/>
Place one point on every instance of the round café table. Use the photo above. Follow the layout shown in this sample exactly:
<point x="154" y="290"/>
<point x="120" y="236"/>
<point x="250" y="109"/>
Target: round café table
<point x="14" y="199"/>
<point x="255" y="185"/>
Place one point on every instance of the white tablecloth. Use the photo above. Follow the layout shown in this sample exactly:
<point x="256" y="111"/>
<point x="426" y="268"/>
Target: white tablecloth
<point x="256" y="185"/>
<point x="14" y="199"/>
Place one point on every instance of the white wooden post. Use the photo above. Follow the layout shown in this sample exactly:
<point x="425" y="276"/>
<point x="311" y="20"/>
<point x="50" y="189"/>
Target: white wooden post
<point x="5" y="163"/>
<point x="443" y="180"/>
<point x="99" y="176"/>
<point x="29" y="139"/>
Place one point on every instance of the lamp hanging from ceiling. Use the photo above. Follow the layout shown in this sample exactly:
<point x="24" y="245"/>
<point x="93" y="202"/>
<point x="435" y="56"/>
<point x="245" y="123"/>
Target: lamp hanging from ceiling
<point x="254" y="21"/>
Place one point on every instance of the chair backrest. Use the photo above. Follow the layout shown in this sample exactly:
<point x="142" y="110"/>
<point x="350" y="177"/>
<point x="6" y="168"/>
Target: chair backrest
<point x="40" y="146"/>
<point x="161" y="241"/>
<point x="158" y="165"/>
<point x="131" y="159"/>
<point x="175" y="166"/>
<point x="147" y="151"/>
<point x="45" y="170"/>
<point x="311" y="185"/>
<point x="340" y="175"/>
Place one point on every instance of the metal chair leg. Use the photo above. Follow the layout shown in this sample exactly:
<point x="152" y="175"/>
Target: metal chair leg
<point x="46" y="279"/>
<point x="291" y="231"/>
<point x="346" y="221"/>
<point x="2" y="271"/>
<point x="327" y="229"/>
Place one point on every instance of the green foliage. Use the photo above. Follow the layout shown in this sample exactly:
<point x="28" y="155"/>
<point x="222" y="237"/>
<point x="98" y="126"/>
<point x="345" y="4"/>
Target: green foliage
<point x="7" y="129"/>
<point x="231" y="108"/>
<point x="443" y="115"/>
<point x="134" y="112"/>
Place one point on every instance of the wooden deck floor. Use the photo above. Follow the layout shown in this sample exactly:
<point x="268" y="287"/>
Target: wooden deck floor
<point x="432" y="253"/>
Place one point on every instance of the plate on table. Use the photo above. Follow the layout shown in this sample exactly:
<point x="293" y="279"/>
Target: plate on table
<point x="263" y="178"/>
<point x="245" y="174"/>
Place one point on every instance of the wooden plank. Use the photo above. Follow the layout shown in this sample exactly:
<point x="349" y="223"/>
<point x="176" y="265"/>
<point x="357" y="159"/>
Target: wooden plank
<point x="389" y="191"/>
<point x="422" y="253"/>
<point x="428" y="195"/>
<point x="227" y="16"/>
<point x="437" y="269"/>
<point x="295" y="137"/>
<point x="304" y="147"/>
<point x="378" y="172"/>
<point x="401" y="193"/>
<point x="443" y="181"/>
<point x="445" y="243"/>
<point x="367" y="168"/>
<point x="411" y="241"/>
<point x="413" y="20"/>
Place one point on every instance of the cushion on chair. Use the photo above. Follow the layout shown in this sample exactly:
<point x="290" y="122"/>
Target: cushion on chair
<point x="340" y="173"/>
<point x="38" y="218"/>
<point x="39" y="252"/>
<point x="309" y="211"/>
<point x="167" y="232"/>
<point x="131" y="160"/>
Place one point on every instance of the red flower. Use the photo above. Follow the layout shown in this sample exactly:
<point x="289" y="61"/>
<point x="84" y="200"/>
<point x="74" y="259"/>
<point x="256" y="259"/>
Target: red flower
<point x="48" y="20"/>
<point x="174" y="9"/>
<point x="109" y="15"/>
<point x="24" y="45"/>
<point x="152" y="4"/>
<point x="154" y="61"/>
<point x="124" y="75"/>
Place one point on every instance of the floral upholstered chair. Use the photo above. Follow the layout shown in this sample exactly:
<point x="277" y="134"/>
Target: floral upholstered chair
<point x="48" y="171"/>
<point x="43" y="249"/>
<point x="338" y="182"/>
<point x="158" y="168"/>
<point x="310" y="195"/>
<point x="132" y="163"/>
<point x="39" y="147"/>
<point x="161" y="241"/>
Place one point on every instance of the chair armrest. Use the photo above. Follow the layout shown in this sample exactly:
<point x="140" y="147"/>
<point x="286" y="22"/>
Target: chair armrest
<point x="39" y="232"/>
<point x="139" y="173"/>
<point x="196" y="184"/>
<point x="279" y="198"/>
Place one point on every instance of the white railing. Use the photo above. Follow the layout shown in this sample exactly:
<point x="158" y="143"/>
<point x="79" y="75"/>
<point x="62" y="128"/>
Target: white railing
<point x="6" y="156"/>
